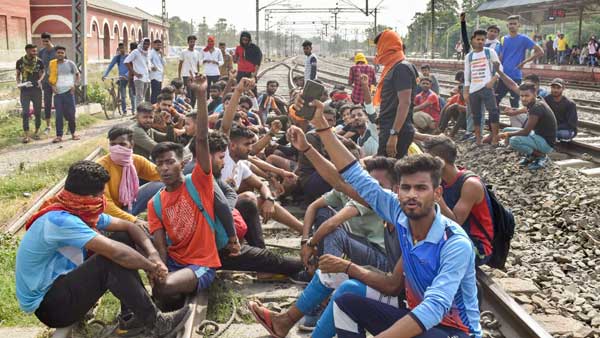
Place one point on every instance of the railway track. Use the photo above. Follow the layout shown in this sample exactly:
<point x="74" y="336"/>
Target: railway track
<point x="500" y="313"/>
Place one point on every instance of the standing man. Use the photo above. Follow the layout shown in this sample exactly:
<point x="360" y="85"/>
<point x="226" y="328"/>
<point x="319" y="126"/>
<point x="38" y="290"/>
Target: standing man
<point x="310" y="64"/>
<point x="513" y="58"/>
<point x="361" y="66"/>
<point x="564" y="110"/>
<point x="157" y="70"/>
<point x="492" y="41"/>
<point x="248" y="57"/>
<point x="63" y="77"/>
<point x="138" y="63"/>
<point x="479" y="83"/>
<point x="47" y="54"/>
<point x="30" y="72"/>
<point x="227" y="60"/>
<point x="212" y="59"/>
<point x="189" y="65"/>
<point x="395" y="93"/>
<point x="561" y="48"/>
<point x="119" y="60"/>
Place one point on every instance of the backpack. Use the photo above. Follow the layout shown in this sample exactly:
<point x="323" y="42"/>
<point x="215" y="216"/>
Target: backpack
<point x="216" y="225"/>
<point x="488" y="56"/>
<point x="504" y="225"/>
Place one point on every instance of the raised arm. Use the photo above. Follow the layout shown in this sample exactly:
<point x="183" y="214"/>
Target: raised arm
<point x="245" y="84"/>
<point x="202" y="153"/>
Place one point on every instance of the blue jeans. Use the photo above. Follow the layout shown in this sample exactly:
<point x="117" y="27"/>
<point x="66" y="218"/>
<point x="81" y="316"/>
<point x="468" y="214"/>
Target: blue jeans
<point x="592" y="60"/>
<point x="480" y="99"/>
<point x="358" y="249"/>
<point x="65" y="109"/>
<point x="470" y="127"/>
<point x="123" y="84"/>
<point x="145" y="194"/>
<point x="528" y="144"/>
<point x="565" y="134"/>
<point x="355" y="314"/>
<point x="204" y="275"/>
<point x="48" y="93"/>
<point x="561" y="57"/>
<point x="155" y="87"/>
<point x="322" y="286"/>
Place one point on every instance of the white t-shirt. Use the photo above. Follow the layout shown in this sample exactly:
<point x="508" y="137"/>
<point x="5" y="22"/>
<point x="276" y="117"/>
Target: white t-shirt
<point x="190" y="59"/>
<point x="478" y="72"/>
<point x="235" y="171"/>
<point x="141" y="64"/>
<point x="211" y="69"/>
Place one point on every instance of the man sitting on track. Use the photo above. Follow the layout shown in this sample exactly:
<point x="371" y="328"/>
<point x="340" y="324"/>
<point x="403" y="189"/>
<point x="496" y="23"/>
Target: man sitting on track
<point x="125" y="198"/>
<point x="564" y="110"/>
<point x="465" y="198"/>
<point x="144" y="137"/>
<point x="53" y="279"/>
<point x="181" y="217"/>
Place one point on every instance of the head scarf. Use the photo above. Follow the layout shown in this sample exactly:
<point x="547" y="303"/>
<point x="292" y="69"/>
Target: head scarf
<point x="141" y="45"/>
<point x="390" y="50"/>
<point x="87" y="208"/>
<point x="210" y="43"/>
<point x="251" y="51"/>
<point x="129" y="185"/>
<point x="360" y="57"/>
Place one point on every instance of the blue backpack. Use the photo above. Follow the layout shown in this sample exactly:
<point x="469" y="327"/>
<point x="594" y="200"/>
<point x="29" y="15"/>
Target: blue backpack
<point x="216" y="225"/>
<point x="488" y="56"/>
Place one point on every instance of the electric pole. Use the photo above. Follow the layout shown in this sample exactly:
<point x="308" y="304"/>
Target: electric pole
<point x="432" y="29"/>
<point x="257" y="11"/>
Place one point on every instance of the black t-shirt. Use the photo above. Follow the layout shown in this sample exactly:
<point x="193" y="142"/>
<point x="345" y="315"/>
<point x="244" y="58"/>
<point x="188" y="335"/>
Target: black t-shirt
<point x="565" y="112"/>
<point x="214" y="104"/>
<point x="33" y="75"/>
<point x="546" y="125"/>
<point x="401" y="77"/>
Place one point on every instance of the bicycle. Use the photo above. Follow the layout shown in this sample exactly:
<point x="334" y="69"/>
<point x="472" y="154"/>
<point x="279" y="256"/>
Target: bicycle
<point x="113" y="103"/>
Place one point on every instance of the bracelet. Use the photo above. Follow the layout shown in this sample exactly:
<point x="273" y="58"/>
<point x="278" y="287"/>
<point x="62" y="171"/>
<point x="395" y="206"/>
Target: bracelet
<point x="303" y="241"/>
<point x="348" y="267"/>
<point x="322" y="129"/>
<point x="307" y="149"/>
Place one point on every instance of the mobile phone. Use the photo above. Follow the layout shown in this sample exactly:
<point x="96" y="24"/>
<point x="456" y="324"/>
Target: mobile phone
<point x="312" y="91"/>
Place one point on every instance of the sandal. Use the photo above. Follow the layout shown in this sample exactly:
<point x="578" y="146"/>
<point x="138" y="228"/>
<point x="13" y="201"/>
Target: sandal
<point x="57" y="139"/>
<point x="26" y="140"/>
<point x="265" y="321"/>
<point x="76" y="137"/>
<point x="36" y="137"/>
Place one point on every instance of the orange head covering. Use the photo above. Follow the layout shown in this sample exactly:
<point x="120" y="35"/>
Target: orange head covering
<point x="210" y="43"/>
<point x="390" y="50"/>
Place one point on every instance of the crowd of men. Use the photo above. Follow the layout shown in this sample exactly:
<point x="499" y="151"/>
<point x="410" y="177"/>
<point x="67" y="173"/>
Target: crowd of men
<point x="393" y="228"/>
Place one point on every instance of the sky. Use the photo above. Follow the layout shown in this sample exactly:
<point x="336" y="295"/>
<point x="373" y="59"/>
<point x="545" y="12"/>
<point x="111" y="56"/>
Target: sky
<point x="393" y="13"/>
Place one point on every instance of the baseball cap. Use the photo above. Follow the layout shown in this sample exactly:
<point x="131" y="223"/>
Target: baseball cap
<point x="558" y="82"/>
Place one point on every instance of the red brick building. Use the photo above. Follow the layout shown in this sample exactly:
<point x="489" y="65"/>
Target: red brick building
<point x="107" y="23"/>
<point x="15" y="29"/>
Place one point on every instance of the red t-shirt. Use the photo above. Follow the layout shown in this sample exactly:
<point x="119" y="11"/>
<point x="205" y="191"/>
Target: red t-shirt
<point x="243" y="64"/>
<point x="455" y="99"/>
<point x="193" y="241"/>
<point x="434" y="109"/>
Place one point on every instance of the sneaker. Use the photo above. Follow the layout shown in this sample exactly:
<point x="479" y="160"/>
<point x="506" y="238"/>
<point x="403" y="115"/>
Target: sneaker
<point x="301" y="278"/>
<point x="467" y="136"/>
<point x="538" y="163"/>
<point x="525" y="161"/>
<point x="129" y="325"/>
<point x="47" y="130"/>
<point x="310" y="319"/>
<point x="169" y="323"/>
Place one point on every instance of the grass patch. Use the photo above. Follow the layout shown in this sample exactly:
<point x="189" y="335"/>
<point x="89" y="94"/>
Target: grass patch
<point x="11" y="128"/>
<point x="220" y="296"/>
<point x="33" y="179"/>
<point x="10" y="313"/>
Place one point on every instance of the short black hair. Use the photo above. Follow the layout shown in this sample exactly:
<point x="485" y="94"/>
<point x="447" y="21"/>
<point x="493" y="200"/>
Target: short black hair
<point x="60" y="48"/>
<point x="86" y="178"/>
<point x="443" y="147"/>
<point x="220" y="84"/>
<point x="227" y="97"/>
<point x="493" y="27"/>
<point x="380" y="163"/>
<point x="413" y="164"/>
<point x="459" y="76"/>
<point x="237" y="133"/>
<point x="46" y="36"/>
<point x="165" y="147"/>
<point x="164" y="97"/>
<point x="168" y="90"/>
<point x="426" y="66"/>
<point x="344" y="107"/>
<point x="145" y="107"/>
<point x="532" y="78"/>
<point x="272" y="81"/>
<point x="177" y="83"/>
<point x="116" y="131"/>
<point x="306" y="43"/>
<point x="191" y="37"/>
<point x="425" y="78"/>
<point x="121" y="45"/>
<point x="30" y="46"/>
<point x="133" y="45"/>
<point x="246" y="99"/>
<point x="157" y="41"/>
<point x="217" y="142"/>
<point x="221" y="43"/>
<point x="528" y="86"/>
<point x="478" y="32"/>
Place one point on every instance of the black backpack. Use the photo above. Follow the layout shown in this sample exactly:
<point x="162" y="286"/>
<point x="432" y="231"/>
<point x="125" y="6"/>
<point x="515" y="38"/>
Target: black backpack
<point x="504" y="225"/>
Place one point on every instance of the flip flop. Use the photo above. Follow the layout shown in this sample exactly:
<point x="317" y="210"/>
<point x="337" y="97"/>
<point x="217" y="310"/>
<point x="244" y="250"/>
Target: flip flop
<point x="265" y="321"/>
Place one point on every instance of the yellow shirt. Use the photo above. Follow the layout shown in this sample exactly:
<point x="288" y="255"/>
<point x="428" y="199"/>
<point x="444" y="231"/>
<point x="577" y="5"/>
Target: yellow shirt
<point x="561" y="46"/>
<point x="145" y="169"/>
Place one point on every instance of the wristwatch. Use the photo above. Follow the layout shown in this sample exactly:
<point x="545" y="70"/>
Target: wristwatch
<point x="393" y="132"/>
<point x="270" y="198"/>
<point x="309" y="243"/>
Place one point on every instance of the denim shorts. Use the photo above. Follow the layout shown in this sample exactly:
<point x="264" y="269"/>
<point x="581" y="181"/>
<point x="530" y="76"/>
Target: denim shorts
<point x="204" y="275"/>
